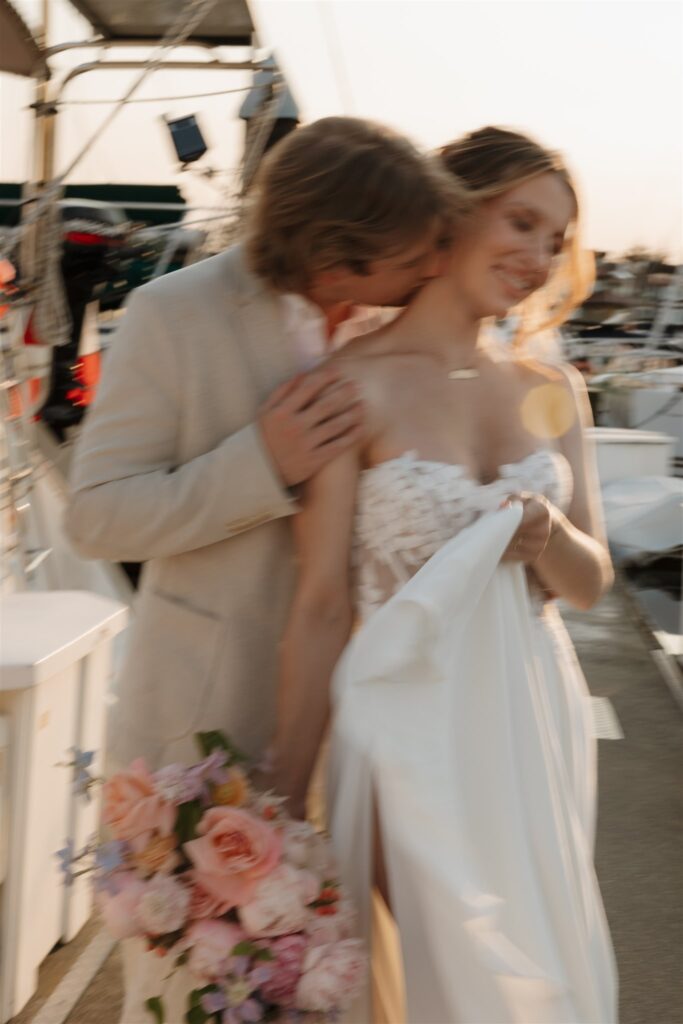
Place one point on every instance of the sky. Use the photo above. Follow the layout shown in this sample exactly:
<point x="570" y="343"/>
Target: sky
<point x="601" y="80"/>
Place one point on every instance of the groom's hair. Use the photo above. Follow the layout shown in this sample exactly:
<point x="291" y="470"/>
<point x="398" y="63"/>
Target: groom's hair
<point x="344" y="192"/>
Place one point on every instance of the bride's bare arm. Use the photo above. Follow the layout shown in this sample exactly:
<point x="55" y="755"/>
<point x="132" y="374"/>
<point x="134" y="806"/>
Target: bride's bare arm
<point x="318" y="627"/>
<point x="575" y="563"/>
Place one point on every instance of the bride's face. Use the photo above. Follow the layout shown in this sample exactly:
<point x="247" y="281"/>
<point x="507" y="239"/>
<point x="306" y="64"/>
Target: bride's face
<point x="509" y="252"/>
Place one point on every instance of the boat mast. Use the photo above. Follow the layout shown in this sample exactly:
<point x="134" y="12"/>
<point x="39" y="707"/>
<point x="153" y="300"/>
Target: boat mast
<point x="44" y="135"/>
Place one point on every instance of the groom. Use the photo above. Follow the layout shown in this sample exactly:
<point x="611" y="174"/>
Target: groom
<point x="207" y="421"/>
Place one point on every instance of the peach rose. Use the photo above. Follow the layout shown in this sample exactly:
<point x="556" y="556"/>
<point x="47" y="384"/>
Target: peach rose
<point x="132" y="806"/>
<point x="203" y="904"/>
<point x="158" y="855"/>
<point x="235" y="850"/>
<point x="234" y="791"/>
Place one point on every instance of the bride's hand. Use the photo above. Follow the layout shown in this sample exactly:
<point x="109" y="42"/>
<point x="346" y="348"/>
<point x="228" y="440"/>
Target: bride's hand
<point x="540" y="520"/>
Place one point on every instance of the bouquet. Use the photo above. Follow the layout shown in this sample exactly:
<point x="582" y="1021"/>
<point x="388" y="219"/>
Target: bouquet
<point x="217" y="877"/>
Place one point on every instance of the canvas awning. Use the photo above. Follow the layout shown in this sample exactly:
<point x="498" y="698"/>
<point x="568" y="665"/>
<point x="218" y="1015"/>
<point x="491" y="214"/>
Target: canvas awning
<point x="19" y="52"/>
<point x="228" y="23"/>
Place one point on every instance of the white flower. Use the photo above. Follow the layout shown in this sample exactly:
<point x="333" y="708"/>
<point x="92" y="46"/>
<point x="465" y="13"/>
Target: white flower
<point x="211" y="944"/>
<point x="163" y="905"/>
<point x="306" y="848"/>
<point x="298" y="842"/>
<point x="278" y="906"/>
<point x="333" y="927"/>
<point x="332" y="976"/>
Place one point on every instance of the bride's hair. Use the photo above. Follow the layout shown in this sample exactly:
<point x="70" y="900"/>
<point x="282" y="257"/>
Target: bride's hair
<point x="344" y="191"/>
<point x="490" y="162"/>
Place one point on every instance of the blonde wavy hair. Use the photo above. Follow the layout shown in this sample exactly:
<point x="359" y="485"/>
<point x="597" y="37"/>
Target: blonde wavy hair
<point x="344" y="191"/>
<point x="491" y="161"/>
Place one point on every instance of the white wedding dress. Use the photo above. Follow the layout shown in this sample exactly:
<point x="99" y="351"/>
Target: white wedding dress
<point x="462" y="715"/>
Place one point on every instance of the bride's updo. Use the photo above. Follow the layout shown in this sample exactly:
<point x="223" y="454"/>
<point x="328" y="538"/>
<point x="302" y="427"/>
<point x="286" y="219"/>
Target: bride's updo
<point x="490" y="162"/>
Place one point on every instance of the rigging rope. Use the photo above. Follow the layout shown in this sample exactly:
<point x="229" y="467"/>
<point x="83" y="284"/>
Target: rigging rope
<point x="40" y="234"/>
<point x="156" y="99"/>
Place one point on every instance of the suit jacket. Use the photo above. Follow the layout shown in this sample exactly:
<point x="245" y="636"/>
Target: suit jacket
<point x="170" y="469"/>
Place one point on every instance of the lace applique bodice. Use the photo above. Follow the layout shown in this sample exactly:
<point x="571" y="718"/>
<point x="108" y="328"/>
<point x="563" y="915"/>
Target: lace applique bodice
<point x="408" y="507"/>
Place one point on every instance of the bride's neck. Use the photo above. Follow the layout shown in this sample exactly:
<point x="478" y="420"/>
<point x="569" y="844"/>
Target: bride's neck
<point x="440" y="320"/>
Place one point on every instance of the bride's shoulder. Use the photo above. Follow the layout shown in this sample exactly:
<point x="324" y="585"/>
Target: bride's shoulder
<point x="369" y="357"/>
<point x="537" y="372"/>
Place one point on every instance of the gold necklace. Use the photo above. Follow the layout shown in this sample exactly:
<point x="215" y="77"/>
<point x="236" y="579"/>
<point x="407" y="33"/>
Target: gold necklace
<point x="468" y="373"/>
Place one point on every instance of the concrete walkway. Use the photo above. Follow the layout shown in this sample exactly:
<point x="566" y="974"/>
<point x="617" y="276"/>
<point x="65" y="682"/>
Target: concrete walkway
<point x="640" y="836"/>
<point x="640" y="839"/>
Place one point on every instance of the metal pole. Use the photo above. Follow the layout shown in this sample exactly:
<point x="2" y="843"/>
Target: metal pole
<point x="44" y="136"/>
<point x="169" y="65"/>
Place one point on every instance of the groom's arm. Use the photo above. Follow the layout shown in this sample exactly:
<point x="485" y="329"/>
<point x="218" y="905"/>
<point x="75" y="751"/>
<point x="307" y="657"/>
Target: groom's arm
<point x="131" y="502"/>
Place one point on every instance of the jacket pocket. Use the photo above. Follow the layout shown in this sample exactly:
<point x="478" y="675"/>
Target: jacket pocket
<point x="172" y="668"/>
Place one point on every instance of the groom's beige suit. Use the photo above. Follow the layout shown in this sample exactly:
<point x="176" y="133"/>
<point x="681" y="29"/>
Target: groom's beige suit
<point x="171" y="470"/>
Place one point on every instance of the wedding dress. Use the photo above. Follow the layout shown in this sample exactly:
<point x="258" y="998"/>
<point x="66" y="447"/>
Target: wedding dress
<point x="462" y="717"/>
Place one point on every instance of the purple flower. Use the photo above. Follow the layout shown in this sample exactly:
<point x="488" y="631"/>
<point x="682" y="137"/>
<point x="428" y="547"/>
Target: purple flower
<point x="82" y="779"/>
<point x="65" y="856"/>
<point x="238" y="965"/>
<point x="109" y="856"/>
<point x="83" y="758"/>
<point x="214" y="1002"/>
<point x="210" y="771"/>
<point x="177" y="785"/>
<point x="250" y="1010"/>
<point x="260" y="975"/>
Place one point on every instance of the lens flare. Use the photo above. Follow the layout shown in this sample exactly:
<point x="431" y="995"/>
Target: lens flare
<point x="548" y="411"/>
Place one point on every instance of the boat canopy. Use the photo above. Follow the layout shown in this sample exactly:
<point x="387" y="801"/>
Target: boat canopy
<point x="19" y="51"/>
<point x="228" y="22"/>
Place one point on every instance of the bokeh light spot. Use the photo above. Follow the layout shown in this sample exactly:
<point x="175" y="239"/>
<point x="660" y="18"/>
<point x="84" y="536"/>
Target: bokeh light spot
<point x="548" y="411"/>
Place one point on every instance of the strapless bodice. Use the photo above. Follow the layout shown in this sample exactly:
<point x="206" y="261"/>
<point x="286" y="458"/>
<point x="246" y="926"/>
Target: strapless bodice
<point x="409" y="507"/>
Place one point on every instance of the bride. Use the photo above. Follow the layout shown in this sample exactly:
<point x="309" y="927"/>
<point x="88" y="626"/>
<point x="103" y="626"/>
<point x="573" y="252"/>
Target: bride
<point x="462" y="767"/>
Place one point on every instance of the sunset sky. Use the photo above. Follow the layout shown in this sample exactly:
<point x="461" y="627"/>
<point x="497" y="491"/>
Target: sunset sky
<point x="601" y="80"/>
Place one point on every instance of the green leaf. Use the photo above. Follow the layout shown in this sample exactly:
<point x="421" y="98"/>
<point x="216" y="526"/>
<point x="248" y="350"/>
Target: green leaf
<point x="263" y="954"/>
<point x="156" y="1008"/>
<point x="196" y="1015"/>
<point x="188" y="817"/>
<point x="245" y="948"/>
<point x="182" y="959"/>
<point x="217" y="740"/>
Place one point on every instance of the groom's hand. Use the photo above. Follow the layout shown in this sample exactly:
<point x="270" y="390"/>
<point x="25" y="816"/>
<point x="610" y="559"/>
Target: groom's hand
<point x="309" y="420"/>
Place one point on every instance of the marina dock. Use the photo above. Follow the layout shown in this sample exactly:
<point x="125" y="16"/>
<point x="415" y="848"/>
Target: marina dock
<point x="639" y="846"/>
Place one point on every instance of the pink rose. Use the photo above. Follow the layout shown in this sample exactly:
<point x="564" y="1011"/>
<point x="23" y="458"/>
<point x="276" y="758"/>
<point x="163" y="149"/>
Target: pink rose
<point x="278" y="904"/>
<point x="202" y="903"/>
<point x="332" y="976"/>
<point x="235" y="850"/>
<point x="119" y="910"/>
<point x="133" y="807"/>
<point x="211" y="944"/>
<point x="288" y="952"/>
